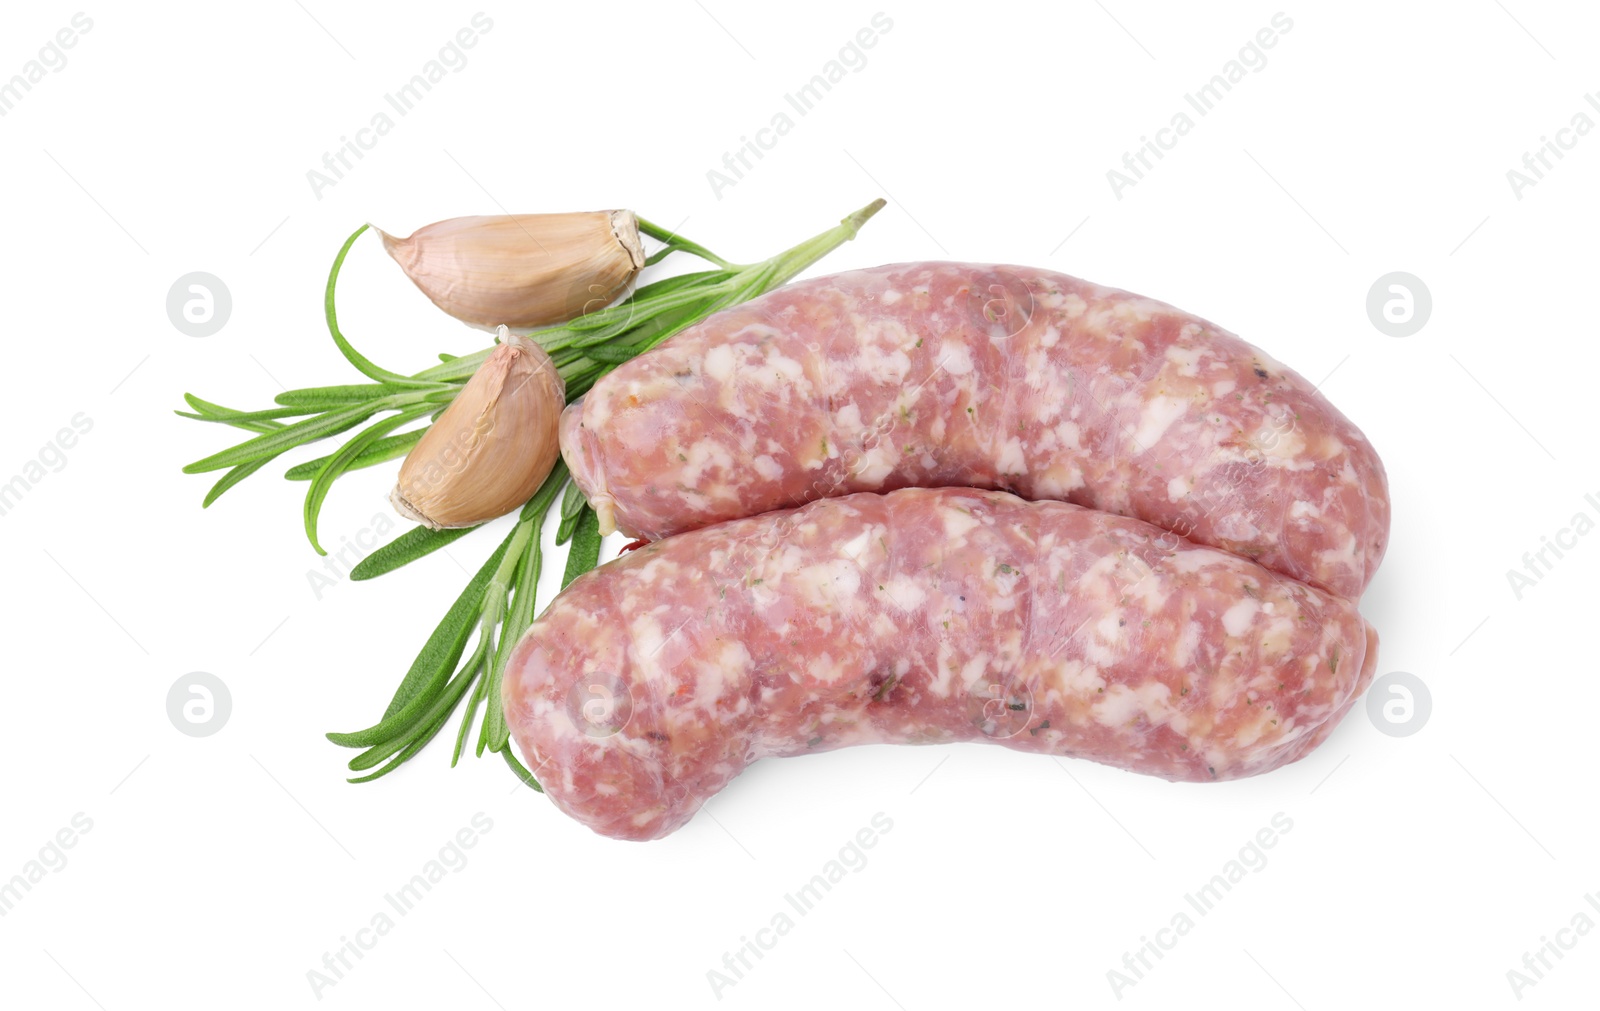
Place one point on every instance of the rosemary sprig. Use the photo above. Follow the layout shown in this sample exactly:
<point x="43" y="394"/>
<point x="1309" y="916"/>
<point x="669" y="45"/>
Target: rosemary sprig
<point x="500" y="600"/>
<point x="583" y="349"/>
<point x="437" y="680"/>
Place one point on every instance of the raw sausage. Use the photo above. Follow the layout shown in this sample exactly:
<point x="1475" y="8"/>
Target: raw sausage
<point x="948" y="374"/>
<point x="923" y="616"/>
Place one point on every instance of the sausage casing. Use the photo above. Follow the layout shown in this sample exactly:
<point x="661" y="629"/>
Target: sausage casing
<point x="922" y="616"/>
<point x="961" y="375"/>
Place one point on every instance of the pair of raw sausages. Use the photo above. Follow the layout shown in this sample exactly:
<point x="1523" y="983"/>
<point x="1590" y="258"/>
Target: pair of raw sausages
<point x="1176" y="599"/>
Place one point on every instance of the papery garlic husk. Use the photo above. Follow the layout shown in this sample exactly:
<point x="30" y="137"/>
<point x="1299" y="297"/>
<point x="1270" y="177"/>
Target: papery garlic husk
<point x="492" y="447"/>
<point x="522" y="270"/>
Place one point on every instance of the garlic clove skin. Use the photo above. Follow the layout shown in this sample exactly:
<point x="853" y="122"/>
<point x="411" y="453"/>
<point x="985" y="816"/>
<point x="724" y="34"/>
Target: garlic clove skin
<point x="522" y="270"/>
<point x="492" y="447"/>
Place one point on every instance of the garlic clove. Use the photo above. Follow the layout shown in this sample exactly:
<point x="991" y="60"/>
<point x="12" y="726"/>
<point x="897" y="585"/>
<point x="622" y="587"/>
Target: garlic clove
<point x="492" y="447"/>
<point x="522" y="270"/>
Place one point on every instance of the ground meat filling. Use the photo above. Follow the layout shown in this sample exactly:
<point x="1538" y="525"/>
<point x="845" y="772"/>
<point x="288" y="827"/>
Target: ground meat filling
<point x="961" y="375"/>
<point x="921" y="616"/>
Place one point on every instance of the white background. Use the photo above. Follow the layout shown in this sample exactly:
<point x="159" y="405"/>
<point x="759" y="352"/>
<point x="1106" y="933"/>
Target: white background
<point x="1377" y="138"/>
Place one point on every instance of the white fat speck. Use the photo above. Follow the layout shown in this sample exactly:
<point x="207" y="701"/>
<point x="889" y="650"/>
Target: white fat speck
<point x="1235" y="526"/>
<point x="781" y="370"/>
<point x="1188" y="641"/>
<point x="1012" y="460"/>
<point x="847" y="419"/>
<point x="830" y="583"/>
<point x="905" y="593"/>
<point x="1237" y="619"/>
<point x="644" y="818"/>
<point x="1223" y="387"/>
<point x="1107" y="629"/>
<point x="1178" y="488"/>
<point x="876" y="464"/>
<point x="1057" y="482"/>
<point x="889" y="368"/>
<point x="1155" y="697"/>
<point x="596" y="413"/>
<point x="767" y="467"/>
<point x="855" y="548"/>
<point x="883" y="630"/>
<point x="1279" y="445"/>
<point x="786" y="559"/>
<point x="1140" y="309"/>
<point x="1050" y="336"/>
<point x="889" y="296"/>
<point x="1095" y="575"/>
<point x="1149" y="591"/>
<point x="957" y="524"/>
<point x="731" y="665"/>
<point x="648" y="637"/>
<point x="825" y="669"/>
<point x="1117" y="706"/>
<point x="1197" y="559"/>
<point x="1072" y="306"/>
<point x="719" y="362"/>
<point x="1300" y="510"/>
<point x="940" y="683"/>
<point x="1005" y="600"/>
<point x="1345" y="555"/>
<point x="1036" y="372"/>
<point x="1158" y="415"/>
<point x="1096" y="652"/>
<point x="1080" y="678"/>
<point x="972" y="671"/>
<point x="1279" y="635"/>
<point x="1253" y="731"/>
<point x="955" y="358"/>
<point x="703" y="454"/>
<point x="1187" y="359"/>
<point x="774" y="614"/>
